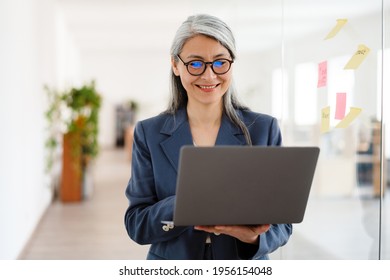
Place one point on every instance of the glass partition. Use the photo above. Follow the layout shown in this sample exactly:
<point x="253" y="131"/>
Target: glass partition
<point x="332" y="60"/>
<point x="321" y="68"/>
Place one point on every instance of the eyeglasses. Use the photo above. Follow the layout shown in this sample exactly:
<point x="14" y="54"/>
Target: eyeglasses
<point x="198" y="67"/>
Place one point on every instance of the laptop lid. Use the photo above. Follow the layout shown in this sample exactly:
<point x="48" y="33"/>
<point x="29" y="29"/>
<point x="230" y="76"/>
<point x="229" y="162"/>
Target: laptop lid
<point x="238" y="185"/>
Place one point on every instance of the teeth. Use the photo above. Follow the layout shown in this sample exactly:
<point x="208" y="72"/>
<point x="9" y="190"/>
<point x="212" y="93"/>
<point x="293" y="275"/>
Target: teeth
<point x="207" y="87"/>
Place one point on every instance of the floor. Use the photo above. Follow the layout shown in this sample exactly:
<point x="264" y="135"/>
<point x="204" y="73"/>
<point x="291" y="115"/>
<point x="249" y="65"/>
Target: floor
<point x="334" y="228"/>
<point x="93" y="229"/>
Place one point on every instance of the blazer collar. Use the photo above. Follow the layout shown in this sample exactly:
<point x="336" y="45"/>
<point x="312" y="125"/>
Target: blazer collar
<point x="178" y="129"/>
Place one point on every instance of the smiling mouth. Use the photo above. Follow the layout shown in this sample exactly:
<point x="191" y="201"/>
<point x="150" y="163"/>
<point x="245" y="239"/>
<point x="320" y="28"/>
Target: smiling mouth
<point x="207" y="87"/>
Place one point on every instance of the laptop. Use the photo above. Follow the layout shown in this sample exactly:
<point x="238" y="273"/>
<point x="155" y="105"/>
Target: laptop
<point x="243" y="185"/>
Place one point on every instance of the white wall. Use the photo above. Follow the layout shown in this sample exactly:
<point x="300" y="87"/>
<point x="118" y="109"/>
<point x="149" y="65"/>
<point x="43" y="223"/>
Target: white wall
<point x="27" y="55"/>
<point x="123" y="75"/>
<point x="67" y="55"/>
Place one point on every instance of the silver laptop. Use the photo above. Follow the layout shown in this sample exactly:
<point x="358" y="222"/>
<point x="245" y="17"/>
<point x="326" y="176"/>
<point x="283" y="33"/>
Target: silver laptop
<point x="242" y="185"/>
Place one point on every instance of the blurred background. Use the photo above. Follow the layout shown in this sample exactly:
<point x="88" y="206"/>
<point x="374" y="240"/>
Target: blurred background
<point x="76" y="75"/>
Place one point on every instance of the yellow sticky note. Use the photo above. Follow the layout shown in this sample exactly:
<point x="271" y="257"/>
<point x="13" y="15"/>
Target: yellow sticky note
<point x="358" y="57"/>
<point x="325" y="119"/>
<point x="353" y="113"/>
<point x="337" y="28"/>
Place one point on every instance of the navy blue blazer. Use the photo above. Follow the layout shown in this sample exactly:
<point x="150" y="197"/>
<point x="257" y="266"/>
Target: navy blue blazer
<point x="151" y="188"/>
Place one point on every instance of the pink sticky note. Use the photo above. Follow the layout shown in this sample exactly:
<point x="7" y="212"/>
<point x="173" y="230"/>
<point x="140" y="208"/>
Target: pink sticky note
<point x="322" y="74"/>
<point x="341" y="102"/>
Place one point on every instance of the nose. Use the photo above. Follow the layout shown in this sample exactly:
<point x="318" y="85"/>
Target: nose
<point x="208" y="73"/>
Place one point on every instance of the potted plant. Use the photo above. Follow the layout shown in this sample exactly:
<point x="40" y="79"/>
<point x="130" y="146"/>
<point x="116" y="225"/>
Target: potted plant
<point x="73" y="120"/>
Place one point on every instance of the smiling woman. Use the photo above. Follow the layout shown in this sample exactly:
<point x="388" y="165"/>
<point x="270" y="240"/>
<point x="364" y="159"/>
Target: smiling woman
<point x="203" y="85"/>
<point x="203" y="110"/>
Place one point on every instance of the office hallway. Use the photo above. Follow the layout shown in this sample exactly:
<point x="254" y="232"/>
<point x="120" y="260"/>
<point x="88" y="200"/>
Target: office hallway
<point x="94" y="228"/>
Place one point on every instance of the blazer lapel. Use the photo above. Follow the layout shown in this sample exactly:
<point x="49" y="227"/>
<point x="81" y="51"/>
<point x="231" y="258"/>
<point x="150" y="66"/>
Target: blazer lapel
<point x="180" y="134"/>
<point x="229" y="134"/>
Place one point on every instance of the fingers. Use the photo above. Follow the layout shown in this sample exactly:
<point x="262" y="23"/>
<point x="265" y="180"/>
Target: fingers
<point x="258" y="229"/>
<point x="244" y="233"/>
<point x="209" y="229"/>
<point x="261" y="228"/>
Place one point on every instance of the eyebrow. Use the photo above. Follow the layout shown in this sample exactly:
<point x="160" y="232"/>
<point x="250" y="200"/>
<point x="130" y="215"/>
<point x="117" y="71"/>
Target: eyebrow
<point x="202" y="58"/>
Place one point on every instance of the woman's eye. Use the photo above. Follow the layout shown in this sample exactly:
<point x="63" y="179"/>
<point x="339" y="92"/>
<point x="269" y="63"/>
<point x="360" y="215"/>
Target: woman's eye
<point x="218" y="63"/>
<point x="196" y="64"/>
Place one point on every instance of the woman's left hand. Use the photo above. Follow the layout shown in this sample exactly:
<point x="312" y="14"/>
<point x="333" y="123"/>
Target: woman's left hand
<point x="247" y="234"/>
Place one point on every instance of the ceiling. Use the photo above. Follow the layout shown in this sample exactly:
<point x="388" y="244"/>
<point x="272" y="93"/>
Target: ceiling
<point x="149" y="25"/>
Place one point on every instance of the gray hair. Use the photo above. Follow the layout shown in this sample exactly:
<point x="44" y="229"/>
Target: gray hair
<point x="214" y="28"/>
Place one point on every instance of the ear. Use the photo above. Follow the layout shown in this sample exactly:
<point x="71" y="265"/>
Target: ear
<point x="174" y="67"/>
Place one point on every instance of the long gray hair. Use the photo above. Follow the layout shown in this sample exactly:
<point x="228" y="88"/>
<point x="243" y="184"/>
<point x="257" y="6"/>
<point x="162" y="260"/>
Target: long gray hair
<point x="212" y="27"/>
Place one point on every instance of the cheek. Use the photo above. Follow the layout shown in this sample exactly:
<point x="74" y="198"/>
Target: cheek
<point x="187" y="80"/>
<point x="227" y="80"/>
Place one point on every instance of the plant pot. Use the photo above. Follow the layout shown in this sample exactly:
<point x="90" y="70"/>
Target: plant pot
<point x="71" y="180"/>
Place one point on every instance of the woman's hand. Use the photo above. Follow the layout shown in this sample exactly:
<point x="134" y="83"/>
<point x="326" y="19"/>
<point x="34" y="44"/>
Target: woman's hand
<point x="247" y="234"/>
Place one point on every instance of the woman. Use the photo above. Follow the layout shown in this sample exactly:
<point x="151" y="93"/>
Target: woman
<point x="203" y="111"/>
